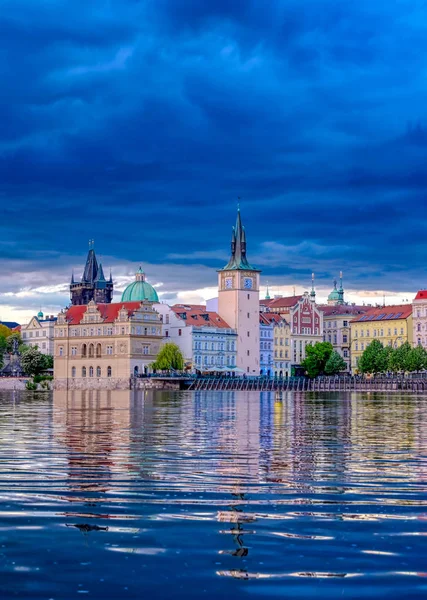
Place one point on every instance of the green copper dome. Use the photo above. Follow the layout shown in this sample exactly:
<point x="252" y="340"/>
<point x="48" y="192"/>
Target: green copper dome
<point x="40" y="315"/>
<point x="139" y="290"/>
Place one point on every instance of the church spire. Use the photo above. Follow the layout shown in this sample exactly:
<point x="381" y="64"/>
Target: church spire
<point x="91" y="268"/>
<point x="267" y="293"/>
<point x="313" y="291"/>
<point x="238" y="258"/>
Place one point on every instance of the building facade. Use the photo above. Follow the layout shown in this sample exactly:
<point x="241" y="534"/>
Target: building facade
<point x="40" y="333"/>
<point x="305" y="321"/>
<point x="238" y="301"/>
<point x="337" y="327"/>
<point x="93" y="285"/>
<point x="390" y="325"/>
<point x="204" y="338"/>
<point x="104" y="345"/>
<point x="266" y="344"/>
<point x="419" y="318"/>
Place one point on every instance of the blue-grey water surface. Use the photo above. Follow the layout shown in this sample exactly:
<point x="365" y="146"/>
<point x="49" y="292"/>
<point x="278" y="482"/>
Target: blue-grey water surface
<point x="212" y="495"/>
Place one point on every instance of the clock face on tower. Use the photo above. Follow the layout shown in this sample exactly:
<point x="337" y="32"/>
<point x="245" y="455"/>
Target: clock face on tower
<point x="228" y="283"/>
<point x="248" y="282"/>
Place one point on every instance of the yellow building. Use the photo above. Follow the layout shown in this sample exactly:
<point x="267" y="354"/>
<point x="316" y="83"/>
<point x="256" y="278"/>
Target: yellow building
<point x="390" y="325"/>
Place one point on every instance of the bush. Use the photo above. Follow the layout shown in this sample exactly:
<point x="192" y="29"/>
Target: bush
<point x="40" y="378"/>
<point x="30" y="385"/>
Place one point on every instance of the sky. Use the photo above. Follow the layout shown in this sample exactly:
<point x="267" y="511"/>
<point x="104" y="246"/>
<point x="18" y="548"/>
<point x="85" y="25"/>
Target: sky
<point x="139" y="124"/>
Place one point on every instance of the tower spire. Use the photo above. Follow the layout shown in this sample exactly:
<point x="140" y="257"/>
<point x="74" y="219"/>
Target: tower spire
<point x="267" y="294"/>
<point x="313" y="291"/>
<point x="238" y="258"/>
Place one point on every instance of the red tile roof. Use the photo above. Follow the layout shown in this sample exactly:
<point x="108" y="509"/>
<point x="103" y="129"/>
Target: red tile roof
<point x="109" y="312"/>
<point x="385" y="313"/>
<point x="286" y="302"/>
<point x="267" y="318"/>
<point x="422" y="295"/>
<point x="197" y="315"/>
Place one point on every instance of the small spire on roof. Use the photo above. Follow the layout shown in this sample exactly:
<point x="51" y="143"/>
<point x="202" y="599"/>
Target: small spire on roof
<point x="267" y="294"/>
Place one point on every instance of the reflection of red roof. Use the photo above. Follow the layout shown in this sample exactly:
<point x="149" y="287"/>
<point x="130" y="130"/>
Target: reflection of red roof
<point x="109" y="312"/>
<point x="286" y="302"/>
<point x="386" y="313"/>
<point x="422" y="295"/>
<point x="197" y="315"/>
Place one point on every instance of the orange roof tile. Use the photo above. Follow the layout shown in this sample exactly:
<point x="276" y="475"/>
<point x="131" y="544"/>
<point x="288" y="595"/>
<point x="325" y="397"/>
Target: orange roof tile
<point x="285" y="302"/>
<point x="109" y="312"/>
<point x="197" y="315"/>
<point x="385" y="313"/>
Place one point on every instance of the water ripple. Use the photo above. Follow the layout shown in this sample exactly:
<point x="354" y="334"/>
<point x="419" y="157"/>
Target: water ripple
<point x="120" y="494"/>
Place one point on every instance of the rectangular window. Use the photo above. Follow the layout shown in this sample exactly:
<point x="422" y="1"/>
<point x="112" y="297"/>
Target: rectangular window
<point x="167" y="333"/>
<point x="344" y="339"/>
<point x="248" y="353"/>
<point x="345" y="323"/>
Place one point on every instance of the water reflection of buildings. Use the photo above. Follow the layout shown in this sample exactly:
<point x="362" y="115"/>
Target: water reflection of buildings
<point x="94" y="427"/>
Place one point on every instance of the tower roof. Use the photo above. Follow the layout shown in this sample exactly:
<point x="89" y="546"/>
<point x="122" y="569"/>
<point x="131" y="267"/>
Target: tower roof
<point x="91" y="268"/>
<point x="100" y="280"/>
<point x="238" y="260"/>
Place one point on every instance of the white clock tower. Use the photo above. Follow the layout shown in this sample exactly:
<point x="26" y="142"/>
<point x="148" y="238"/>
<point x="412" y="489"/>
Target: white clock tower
<point x="238" y="300"/>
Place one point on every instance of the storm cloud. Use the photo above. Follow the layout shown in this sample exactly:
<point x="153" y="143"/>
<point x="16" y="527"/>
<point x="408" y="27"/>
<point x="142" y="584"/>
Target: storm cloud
<point x="139" y="124"/>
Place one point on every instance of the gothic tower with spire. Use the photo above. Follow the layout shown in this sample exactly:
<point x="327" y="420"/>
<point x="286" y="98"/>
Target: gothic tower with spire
<point x="93" y="285"/>
<point x="238" y="300"/>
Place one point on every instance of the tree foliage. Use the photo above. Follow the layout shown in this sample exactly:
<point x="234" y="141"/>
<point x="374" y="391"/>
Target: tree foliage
<point x="169" y="357"/>
<point x="33" y="362"/>
<point x="374" y="359"/>
<point x="335" y="364"/>
<point x="377" y="359"/>
<point x="4" y="331"/>
<point x="316" y="358"/>
<point x="10" y="341"/>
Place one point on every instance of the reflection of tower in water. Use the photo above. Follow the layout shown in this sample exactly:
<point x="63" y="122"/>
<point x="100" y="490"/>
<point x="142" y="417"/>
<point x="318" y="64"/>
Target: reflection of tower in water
<point x="239" y="441"/>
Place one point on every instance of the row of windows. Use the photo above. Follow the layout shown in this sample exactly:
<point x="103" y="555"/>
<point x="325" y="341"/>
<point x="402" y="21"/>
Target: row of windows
<point x="398" y="342"/>
<point x="281" y="354"/>
<point x="266" y="333"/>
<point x="306" y="330"/>
<point x="85" y="372"/>
<point x="378" y="332"/>
<point x="138" y="330"/>
<point x="265" y="345"/>
<point x="214" y="346"/>
<point x="220" y="360"/>
<point x="29" y="334"/>
<point x="280" y="342"/>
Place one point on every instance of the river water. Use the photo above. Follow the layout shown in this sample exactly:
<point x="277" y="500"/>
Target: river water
<point x="212" y="495"/>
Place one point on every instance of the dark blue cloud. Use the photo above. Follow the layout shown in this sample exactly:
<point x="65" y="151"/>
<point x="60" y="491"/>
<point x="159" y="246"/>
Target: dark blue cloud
<point x="139" y="123"/>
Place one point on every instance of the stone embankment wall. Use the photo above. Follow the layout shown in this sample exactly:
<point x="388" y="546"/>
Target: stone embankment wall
<point x="13" y="383"/>
<point x="115" y="384"/>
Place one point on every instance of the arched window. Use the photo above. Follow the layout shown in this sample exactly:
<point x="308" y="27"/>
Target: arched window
<point x="84" y="350"/>
<point x="91" y="350"/>
<point x="83" y="371"/>
<point x="73" y="371"/>
<point x="136" y="371"/>
<point x="90" y="371"/>
<point x="98" y="350"/>
<point x="98" y="371"/>
<point x="108" y="371"/>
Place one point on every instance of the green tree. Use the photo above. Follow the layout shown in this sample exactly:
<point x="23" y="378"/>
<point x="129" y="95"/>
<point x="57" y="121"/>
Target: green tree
<point x="3" y="347"/>
<point x="33" y="362"/>
<point x="398" y="359"/>
<point x="375" y="358"/>
<point x="169" y="357"/>
<point x="335" y="364"/>
<point x="48" y="361"/>
<point x="10" y="340"/>
<point x="316" y="358"/>
<point x="417" y="359"/>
